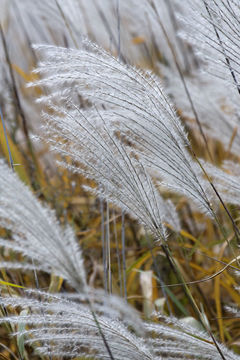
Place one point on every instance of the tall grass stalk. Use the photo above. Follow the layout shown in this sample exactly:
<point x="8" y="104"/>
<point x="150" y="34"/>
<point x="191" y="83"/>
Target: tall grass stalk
<point x="124" y="256"/>
<point x="117" y="253"/>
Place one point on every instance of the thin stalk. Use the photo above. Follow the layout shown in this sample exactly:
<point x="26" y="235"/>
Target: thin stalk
<point x="103" y="245"/>
<point x="236" y="230"/>
<point x="190" y="297"/>
<point x="118" y="28"/>
<point x="117" y="253"/>
<point x="227" y="60"/>
<point x="20" y="19"/>
<point x="9" y="351"/>
<point x="100" y="329"/>
<point x="159" y="277"/>
<point x="108" y="251"/>
<point x="184" y="84"/>
<point x="17" y="99"/>
<point x="67" y="24"/>
<point x="211" y="277"/>
<point x="177" y="38"/>
<point x="124" y="257"/>
<point x="108" y="28"/>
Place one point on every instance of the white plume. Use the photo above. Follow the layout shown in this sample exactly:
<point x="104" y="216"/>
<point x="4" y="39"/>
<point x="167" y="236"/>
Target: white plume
<point x="36" y="233"/>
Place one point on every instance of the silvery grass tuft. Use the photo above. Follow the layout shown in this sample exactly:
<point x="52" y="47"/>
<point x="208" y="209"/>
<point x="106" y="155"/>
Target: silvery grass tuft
<point x="131" y="106"/>
<point x="227" y="180"/>
<point x="211" y="28"/>
<point x="137" y="120"/>
<point x="177" y="339"/>
<point x="215" y="104"/>
<point x="121" y="179"/>
<point x="36" y="233"/>
<point x="126" y="137"/>
<point x="61" y="327"/>
<point x="64" y="324"/>
<point x="45" y="245"/>
<point x="67" y="328"/>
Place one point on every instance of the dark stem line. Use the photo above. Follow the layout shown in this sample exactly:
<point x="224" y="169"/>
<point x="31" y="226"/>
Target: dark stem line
<point x="103" y="245"/>
<point x="124" y="257"/>
<point x="66" y="24"/>
<point x="159" y="277"/>
<point x="108" y="249"/>
<point x="185" y="86"/>
<point x="190" y="297"/>
<point x="14" y="85"/>
<point x="17" y="99"/>
<point x="100" y="330"/>
<point x="227" y="60"/>
<point x="108" y="29"/>
<point x="236" y="230"/>
<point x="118" y="29"/>
<point x="117" y="253"/>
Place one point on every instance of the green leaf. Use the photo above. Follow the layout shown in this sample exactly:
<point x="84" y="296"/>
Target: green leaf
<point x="20" y="336"/>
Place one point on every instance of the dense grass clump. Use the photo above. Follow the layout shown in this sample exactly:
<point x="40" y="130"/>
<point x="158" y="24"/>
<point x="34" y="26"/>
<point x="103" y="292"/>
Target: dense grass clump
<point x="119" y="210"/>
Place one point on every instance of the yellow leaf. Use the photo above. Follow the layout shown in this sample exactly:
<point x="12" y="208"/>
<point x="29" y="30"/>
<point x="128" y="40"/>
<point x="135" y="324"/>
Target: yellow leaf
<point x="10" y="284"/>
<point x="137" y="265"/>
<point x="138" y="40"/>
<point x="188" y="236"/>
<point x="28" y="77"/>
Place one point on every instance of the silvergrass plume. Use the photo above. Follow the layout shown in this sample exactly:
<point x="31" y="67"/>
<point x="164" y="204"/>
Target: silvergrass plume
<point x="36" y="233"/>
<point x="135" y="106"/>
<point x="59" y="326"/>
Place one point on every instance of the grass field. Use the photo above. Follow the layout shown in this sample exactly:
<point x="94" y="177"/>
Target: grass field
<point x="119" y="179"/>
